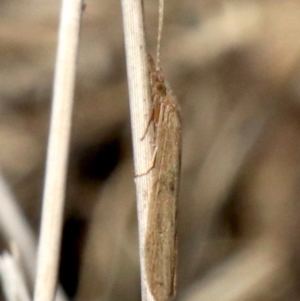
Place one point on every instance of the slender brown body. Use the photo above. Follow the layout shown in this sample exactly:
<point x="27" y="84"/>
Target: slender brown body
<point x="161" y="236"/>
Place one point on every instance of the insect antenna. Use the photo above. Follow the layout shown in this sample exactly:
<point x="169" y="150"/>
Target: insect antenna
<point x="159" y="35"/>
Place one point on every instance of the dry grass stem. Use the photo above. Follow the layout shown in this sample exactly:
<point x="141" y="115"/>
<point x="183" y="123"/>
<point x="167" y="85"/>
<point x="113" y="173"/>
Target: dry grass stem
<point x="16" y="229"/>
<point x="58" y="145"/>
<point x="139" y="96"/>
<point x="13" y="280"/>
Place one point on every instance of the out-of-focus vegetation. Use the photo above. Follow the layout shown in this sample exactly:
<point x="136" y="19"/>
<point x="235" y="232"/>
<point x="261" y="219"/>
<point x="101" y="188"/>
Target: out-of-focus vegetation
<point x="234" y="66"/>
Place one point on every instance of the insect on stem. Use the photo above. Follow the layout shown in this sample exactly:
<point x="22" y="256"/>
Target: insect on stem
<point x="161" y="235"/>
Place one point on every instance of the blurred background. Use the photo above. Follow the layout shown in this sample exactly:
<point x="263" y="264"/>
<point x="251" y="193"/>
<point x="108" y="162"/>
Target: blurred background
<point x="235" y="69"/>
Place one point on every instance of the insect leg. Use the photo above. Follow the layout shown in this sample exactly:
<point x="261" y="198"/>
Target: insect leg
<point x="151" y="166"/>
